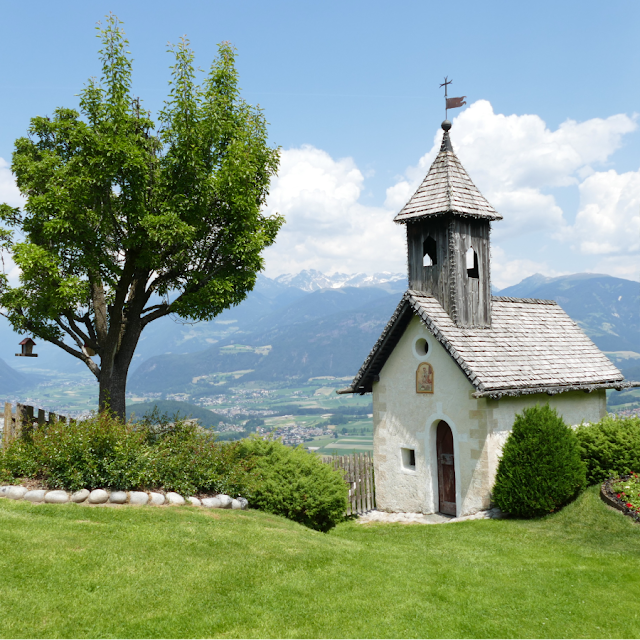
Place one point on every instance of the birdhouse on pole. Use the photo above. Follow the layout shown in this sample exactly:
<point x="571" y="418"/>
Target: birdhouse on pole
<point x="27" y="348"/>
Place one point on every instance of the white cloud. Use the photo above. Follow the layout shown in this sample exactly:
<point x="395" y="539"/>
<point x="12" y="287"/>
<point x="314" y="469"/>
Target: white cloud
<point x="608" y="220"/>
<point x="619" y="266"/>
<point x="505" y="272"/>
<point x="9" y="192"/>
<point x="514" y="159"/>
<point x="327" y="228"/>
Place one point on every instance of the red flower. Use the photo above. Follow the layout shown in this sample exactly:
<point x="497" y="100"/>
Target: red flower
<point x="617" y="495"/>
<point x="629" y="504"/>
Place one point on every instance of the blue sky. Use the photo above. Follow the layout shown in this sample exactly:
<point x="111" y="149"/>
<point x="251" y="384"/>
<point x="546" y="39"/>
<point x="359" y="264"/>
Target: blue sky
<point x="351" y="92"/>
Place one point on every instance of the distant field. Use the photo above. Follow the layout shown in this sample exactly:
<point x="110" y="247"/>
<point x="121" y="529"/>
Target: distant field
<point x="342" y="446"/>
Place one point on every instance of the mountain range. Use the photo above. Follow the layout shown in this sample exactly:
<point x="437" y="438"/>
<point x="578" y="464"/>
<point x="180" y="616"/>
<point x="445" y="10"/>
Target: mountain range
<point x="296" y="327"/>
<point x="330" y="332"/>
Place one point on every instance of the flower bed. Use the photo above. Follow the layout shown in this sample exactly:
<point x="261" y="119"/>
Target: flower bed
<point x="623" y="493"/>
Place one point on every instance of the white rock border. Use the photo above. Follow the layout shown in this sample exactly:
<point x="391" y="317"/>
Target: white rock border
<point x="102" y="496"/>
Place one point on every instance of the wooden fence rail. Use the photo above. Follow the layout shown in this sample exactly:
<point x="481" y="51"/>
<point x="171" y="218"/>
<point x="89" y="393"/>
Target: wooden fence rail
<point x="358" y="474"/>
<point x="24" y="417"/>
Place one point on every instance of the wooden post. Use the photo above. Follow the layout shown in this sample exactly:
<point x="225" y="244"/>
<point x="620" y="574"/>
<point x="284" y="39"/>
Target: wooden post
<point x="359" y="481"/>
<point x="373" y="483"/>
<point x="27" y="419"/>
<point x="20" y="419"/>
<point x="363" y="484"/>
<point x="41" y="419"/>
<point x="7" y="434"/>
<point x="367" y="502"/>
<point x="350" y="480"/>
<point x="354" y="463"/>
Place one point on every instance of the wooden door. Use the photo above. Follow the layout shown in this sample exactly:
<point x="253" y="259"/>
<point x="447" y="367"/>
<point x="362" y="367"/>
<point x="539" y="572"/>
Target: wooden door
<point x="446" y="469"/>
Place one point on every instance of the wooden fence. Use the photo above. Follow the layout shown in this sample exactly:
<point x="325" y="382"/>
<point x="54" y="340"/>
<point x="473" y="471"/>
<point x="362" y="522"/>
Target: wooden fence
<point x="24" y="417"/>
<point x="358" y="474"/>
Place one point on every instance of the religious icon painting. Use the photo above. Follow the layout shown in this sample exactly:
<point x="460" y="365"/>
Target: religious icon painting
<point x="424" y="378"/>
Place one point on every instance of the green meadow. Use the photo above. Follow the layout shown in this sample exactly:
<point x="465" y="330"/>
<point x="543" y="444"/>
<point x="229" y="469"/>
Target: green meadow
<point x="145" y="572"/>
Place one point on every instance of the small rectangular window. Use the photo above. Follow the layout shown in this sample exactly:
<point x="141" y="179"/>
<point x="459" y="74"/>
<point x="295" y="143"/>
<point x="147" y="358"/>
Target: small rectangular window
<point x="409" y="458"/>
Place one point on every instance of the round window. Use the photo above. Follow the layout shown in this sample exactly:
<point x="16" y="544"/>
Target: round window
<point x="422" y="347"/>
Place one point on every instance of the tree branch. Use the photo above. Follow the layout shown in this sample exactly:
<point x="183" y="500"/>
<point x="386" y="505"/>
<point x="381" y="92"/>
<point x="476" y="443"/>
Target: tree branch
<point x="83" y="336"/>
<point x="163" y="310"/>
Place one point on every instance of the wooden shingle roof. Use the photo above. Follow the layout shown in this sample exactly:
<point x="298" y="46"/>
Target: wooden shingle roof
<point x="532" y="346"/>
<point x="447" y="188"/>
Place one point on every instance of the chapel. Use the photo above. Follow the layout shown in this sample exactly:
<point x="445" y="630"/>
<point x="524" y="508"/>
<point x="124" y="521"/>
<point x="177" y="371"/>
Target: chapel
<point x="454" y="364"/>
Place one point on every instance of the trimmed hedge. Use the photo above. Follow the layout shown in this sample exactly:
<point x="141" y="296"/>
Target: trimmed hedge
<point x="295" y="484"/>
<point x="540" y="469"/>
<point x="610" y="447"/>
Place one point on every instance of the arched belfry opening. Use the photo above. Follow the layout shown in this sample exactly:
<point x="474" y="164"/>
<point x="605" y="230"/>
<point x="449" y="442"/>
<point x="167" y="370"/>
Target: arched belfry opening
<point x="429" y="253"/>
<point x="472" y="263"/>
<point x="448" y="225"/>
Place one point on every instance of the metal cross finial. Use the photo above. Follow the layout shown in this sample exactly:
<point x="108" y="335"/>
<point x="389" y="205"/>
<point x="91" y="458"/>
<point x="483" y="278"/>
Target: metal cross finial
<point x="445" y="84"/>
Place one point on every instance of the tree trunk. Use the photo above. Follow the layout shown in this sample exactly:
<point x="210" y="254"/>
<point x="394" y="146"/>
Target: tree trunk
<point x="113" y="385"/>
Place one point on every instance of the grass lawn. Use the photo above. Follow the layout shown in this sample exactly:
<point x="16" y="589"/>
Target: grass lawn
<point x="76" y="571"/>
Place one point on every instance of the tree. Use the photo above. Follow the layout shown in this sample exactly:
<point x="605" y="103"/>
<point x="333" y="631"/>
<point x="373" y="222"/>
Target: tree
<point x="125" y="223"/>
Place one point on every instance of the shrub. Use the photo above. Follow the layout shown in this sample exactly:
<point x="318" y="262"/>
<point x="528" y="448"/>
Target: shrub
<point x="610" y="447"/>
<point x="100" y="451"/>
<point x="17" y="461"/>
<point x="186" y="459"/>
<point x="295" y="484"/>
<point x="104" y="452"/>
<point x="540" y="469"/>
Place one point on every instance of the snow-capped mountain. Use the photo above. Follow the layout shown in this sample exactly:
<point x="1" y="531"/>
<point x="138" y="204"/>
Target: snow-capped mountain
<point x="312" y="280"/>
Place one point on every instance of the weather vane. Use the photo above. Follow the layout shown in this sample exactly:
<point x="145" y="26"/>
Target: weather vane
<point x="450" y="103"/>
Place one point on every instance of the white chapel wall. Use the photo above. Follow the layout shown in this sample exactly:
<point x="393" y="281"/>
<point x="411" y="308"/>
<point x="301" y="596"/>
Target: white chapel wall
<point x="406" y="419"/>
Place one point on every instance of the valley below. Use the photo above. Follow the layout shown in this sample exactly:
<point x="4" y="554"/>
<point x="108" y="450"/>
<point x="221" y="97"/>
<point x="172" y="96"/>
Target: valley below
<point x="273" y="363"/>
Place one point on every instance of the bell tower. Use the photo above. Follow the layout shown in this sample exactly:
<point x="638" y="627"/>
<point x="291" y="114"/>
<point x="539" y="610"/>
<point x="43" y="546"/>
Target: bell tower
<point x="448" y="226"/>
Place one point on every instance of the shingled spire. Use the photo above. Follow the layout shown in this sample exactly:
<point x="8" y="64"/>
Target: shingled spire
<point x="447" y="188"/>
<point x="448" y="225"/>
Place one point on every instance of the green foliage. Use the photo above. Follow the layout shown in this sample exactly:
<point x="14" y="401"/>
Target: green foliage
<point x="610" y="447"/>
<point x="295" y="484"/>
<point x="98" y="452"/>
<point x="187" y="460"/>
<point x="104" y="452"/>
<point x="119" y="215"/>
<point x="205" y="417"/>
<point x="540" y="469"/>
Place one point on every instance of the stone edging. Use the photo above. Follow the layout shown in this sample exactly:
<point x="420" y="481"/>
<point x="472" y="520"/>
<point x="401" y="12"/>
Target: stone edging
<point x="608" y="496"/>
<point x="102" y="496"/>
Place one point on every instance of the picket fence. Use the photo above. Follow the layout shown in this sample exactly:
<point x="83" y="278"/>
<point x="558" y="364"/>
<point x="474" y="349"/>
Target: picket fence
<point x="358" y="474"/>
<point x="24" y="417"/>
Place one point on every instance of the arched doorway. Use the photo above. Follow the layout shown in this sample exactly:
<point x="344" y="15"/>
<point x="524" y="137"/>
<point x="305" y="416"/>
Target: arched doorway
<point x="446" y="469"/>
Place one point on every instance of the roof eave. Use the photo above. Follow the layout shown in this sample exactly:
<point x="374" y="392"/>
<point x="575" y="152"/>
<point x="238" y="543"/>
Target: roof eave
<point x="551" y="390"/>
<point x="400" y="218"/>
